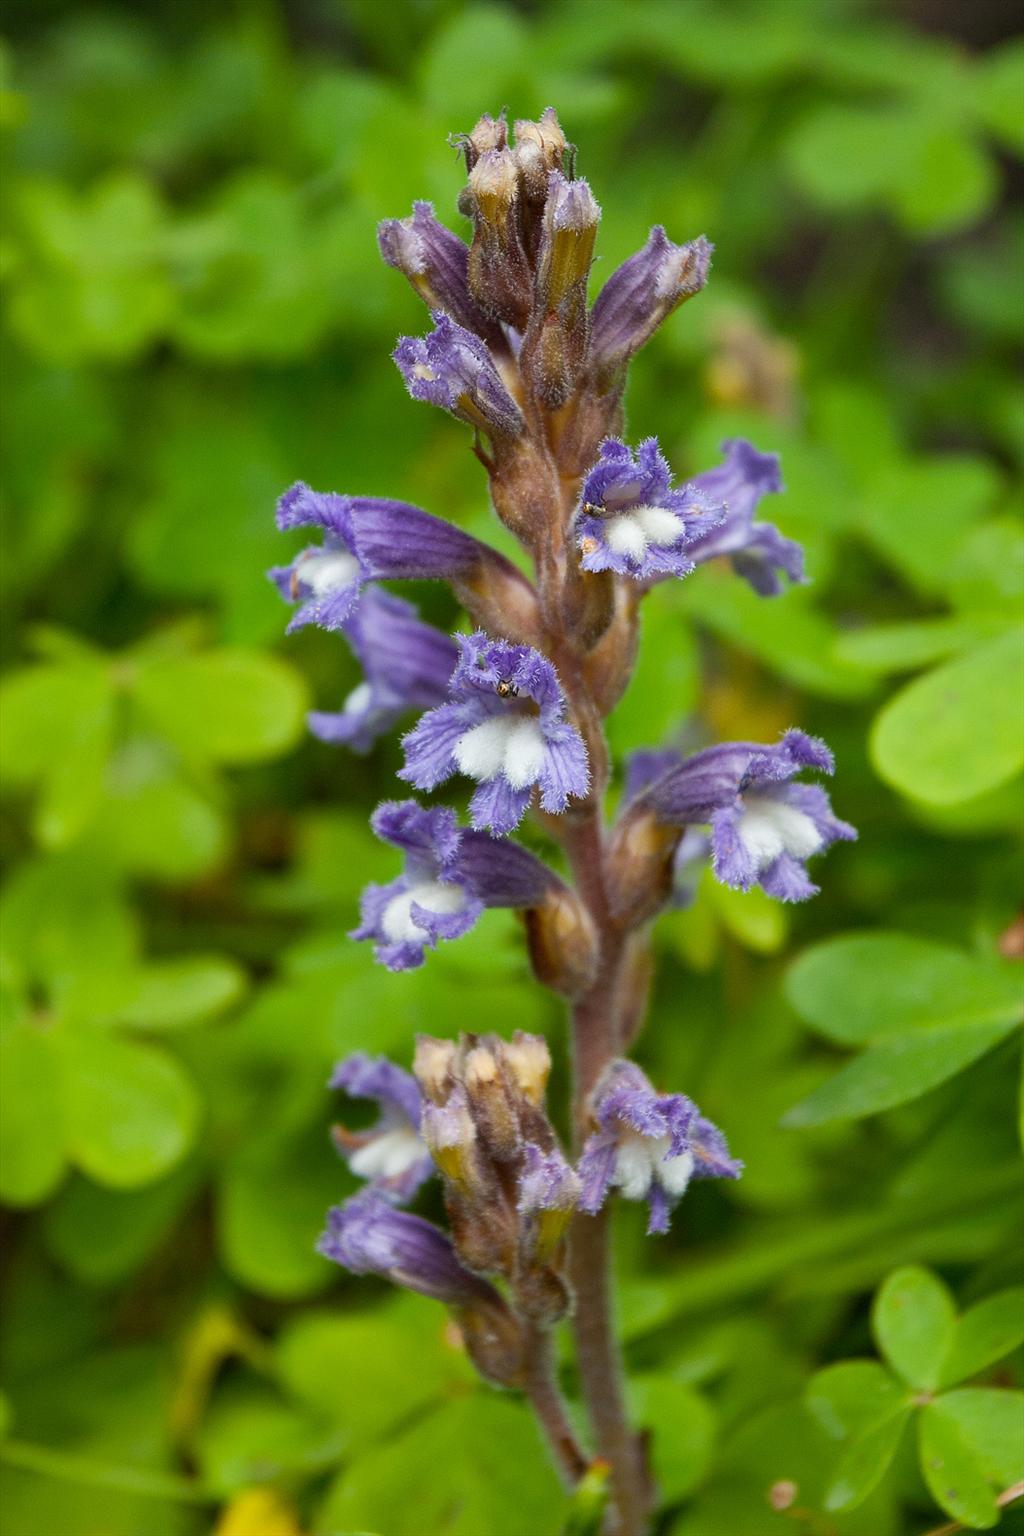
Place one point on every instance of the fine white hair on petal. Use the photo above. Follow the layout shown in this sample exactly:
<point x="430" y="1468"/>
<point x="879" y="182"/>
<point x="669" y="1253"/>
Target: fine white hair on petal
<point x="659" y="525"/>
<point x="358" y="700"/>
<point x="769" y="827"/>
<point x="398" y="923"/>
<point x="480" y="752"/>
<point x="327" y="572"/>
<point x="388" y="1155"/>
<point x="524" y="752"/>
<point x="635" y="1161"/>
<point x="675" y="1172"/>
<point x="625" y="536"/>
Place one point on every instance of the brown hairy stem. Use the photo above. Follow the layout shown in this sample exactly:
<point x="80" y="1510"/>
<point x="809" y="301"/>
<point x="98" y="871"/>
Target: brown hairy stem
<point x="541" y="1387"/>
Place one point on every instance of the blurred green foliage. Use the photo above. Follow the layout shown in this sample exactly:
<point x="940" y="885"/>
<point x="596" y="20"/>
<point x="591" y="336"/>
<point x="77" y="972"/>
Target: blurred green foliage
<point x="195" y="317"/>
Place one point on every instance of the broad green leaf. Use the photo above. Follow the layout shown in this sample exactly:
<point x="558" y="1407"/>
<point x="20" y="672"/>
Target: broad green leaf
<point x="985" y="1333"/>
<point x="958" y="731"/>
<point x="229" y="706"/>
<point x="861" y="988"/>
<point x="478" y="56"/>
<point x="153" y="821"/>
<point x="96" y="284"/>
<point x="132" y="1112"/>
<point x="68" y="933"/>
<point x="900" y="1069"/>
<point x="952" y="1470"/>
<point x="952" y="182"/>
<point x="944" y="494"/>
<point x="475" y="1465"/>
<point x="682" y="1426"/>
<point x="788" y="632"/>
<point x="32" y="1132"/>
<point x="58" y="723"/>
<point x="320" y="1354"/>
<point x="849" y="1398"/>
<point x="991" y="1423"/>
<point x="865" y="1462"/>
<point x="270" y="1214"/>
<point x="184" y="991"/>
<point x="997" y="93"/>
<point x="914" y="1321"/>
<point x="250" y="1434"/>
<point x="101" y="1236"/>
<point x="906" y="647"/>
<point x="664" y="685"/>
<point x="754" y="919"/>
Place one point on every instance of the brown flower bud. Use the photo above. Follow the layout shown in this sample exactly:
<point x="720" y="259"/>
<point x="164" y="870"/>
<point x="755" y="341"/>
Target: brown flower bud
<point x="563" y="943"/>
<point x="499" y="272"/>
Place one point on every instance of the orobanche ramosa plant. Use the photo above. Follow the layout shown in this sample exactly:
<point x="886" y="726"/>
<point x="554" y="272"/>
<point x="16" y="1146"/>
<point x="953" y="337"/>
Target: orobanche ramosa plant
<point x="515" y="704"/>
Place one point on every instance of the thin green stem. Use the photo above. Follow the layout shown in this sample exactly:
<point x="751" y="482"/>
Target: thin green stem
<point x="66" y="1467"/>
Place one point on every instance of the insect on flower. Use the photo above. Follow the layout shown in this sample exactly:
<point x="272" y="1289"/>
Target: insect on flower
<point x="506" y="689"/>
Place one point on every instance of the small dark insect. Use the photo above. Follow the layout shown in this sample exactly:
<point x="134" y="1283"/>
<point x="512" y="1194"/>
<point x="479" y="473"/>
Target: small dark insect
<point x="506" y="690"/>
<point x="590" y="510"/>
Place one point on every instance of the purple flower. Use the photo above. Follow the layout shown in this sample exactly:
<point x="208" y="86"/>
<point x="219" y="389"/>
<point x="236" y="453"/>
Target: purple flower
<point x="505" y="728"/>
<point x="392" y="1155"/>
<point x="326" y="578"/>
<point x="758" y="551"/>
<point x="641" y="1146"/>
<point x="710" y="1150"/>
<point x="453" y="368"/>
<point x="548" y="1193"/>
<point x="631" y="521"/>
<point x="763" y="826"/>
<point x="406" y="665"/>
<point x="450" y="876"/>
<point x="436" y="263"/>
<point x="368" y="1236"/>
<point x="639" y="295"/>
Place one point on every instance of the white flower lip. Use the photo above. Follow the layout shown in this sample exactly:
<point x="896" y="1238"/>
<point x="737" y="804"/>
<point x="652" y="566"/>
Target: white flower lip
<point x="511" y="744"/>
<point x="769" y="827"/>
<point x="399" y="925"/>
<point x="630" y="533"/>
<point x="328" y="571"/>
<point x="358" y="700"/>
<point x="388" y="1155"/>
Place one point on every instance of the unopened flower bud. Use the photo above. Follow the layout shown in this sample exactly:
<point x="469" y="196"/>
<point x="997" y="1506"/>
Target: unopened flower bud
<point x="499" y="272"/>
<point x="529" y="1061"/>
<point x="436" y="263"/>
<point x="432" y="1066"/>
<point x="639" y="296"/>
<point x="563" y="943"/>
<point x="450" y="1135"/>
<point x="489" y="133"/>
<point x="540" y="149"/>
<point x="555" y="346"/>
<point x="453" y="368"/>
<point x="492" y="1104"/>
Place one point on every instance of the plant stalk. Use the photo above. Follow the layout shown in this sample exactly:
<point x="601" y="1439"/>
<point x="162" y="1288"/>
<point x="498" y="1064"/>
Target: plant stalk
<point x="541" y="1388"/>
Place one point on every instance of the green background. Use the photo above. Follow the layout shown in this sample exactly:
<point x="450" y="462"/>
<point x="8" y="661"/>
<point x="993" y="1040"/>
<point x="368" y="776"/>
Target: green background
<point x="196" y="316"/>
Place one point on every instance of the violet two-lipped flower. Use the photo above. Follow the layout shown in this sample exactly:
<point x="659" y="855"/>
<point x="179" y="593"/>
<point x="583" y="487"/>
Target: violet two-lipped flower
<point x="326" y="578"/>
<point x="764" y="826"/>
<point x="406" y="665"/>
<point x="505" y="727"/>
<point x="451" y="875"/>
<point x="631" y="521"/>
<point x="647" y="1145"/>
<point x="368" y="1236"/>
<point x="758" y="551"/>
<point x="454" y="369"/>
<point x="391" y="1155"/>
